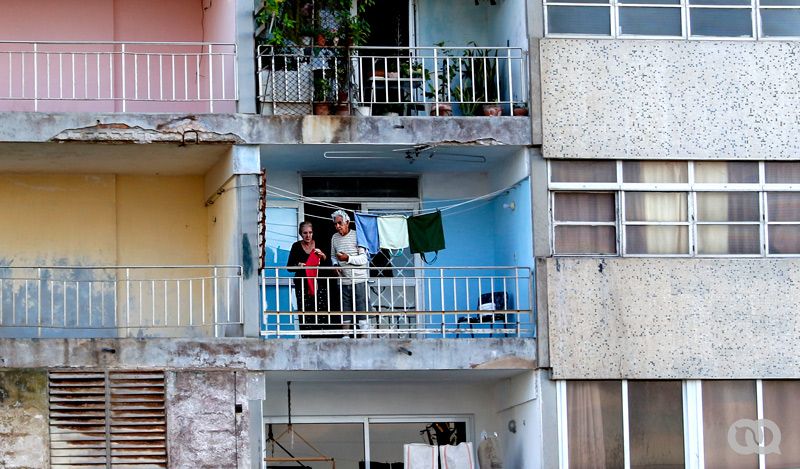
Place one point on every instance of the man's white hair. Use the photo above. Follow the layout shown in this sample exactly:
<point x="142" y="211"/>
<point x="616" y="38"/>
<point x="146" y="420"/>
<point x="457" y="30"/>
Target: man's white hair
<point x="341" y="213"/>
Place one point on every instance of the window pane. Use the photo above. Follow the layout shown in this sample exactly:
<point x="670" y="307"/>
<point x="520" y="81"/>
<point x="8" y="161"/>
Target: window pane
<point x="586" y="239"/>
<point x="655" y="171"/>
<point x="783" y="206"/>
<point x="594" y="424"/>
<point x="605" y="2"/>
<point x="656" y="425"/>
<point x="583" y="171"/>
<point x="784" y="239"/>
<point x="734" y="172"/>
<point x="782" y="406"/>
<point x="779" y="3"/>
<point x="585" y="206"/>
<point x="650" y="21"/>
<point x="652" y="2"/>
<point x="342" y="441"/>
<point x="783" y="22"/>
<point x="657" y="239"/>
<point x="782" y="172"/>
<point x="655" y="206"/>
<point x="721" y="22"/>
<point x="725" y="402"/>
<point x="728" y="239"/>
<point x="719" y="2"/>
<point x="578" y="20"/>
<point x="727" y="206"/>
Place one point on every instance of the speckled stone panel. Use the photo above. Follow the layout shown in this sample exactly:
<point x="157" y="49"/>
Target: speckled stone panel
<point x="203" y="425"/>
<point x="24" y="434"/>
<point x="646" y="318"/>
<point x="670" y="99"/>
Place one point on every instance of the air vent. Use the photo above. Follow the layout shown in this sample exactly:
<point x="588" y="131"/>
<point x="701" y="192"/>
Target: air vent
<point x="113" y="419"/>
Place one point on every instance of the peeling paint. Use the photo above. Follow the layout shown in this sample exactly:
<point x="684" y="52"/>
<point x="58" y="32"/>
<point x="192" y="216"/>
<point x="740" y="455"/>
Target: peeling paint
<point x="183" y="130"/>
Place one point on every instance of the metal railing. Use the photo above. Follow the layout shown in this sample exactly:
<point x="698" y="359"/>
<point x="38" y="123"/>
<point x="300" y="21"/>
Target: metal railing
<point x="422" y="80"/>
<point x="120" y="301"/>
<point x="125" y="72"/>
<point x="419" y="302"/>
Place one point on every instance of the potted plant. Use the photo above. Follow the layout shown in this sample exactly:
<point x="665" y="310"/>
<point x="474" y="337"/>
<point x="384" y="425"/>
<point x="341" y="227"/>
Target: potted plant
<point x="520" y="109"/>
<point x="476" y="84"/>
<point x="438" y="90"/>
<point x="322" y="96"/>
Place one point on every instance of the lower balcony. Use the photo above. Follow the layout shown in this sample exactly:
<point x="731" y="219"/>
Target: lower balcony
<point x="400" y="302"/>
<point x="121" y="301"/>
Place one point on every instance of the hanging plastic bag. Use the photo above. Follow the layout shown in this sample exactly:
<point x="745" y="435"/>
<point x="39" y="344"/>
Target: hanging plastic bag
<point x="458" y="456"/>
<point x="420" y="456"/>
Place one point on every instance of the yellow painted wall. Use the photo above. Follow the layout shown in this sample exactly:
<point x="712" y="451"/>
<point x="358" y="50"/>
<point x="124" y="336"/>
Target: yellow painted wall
<point x="223" y="241"/>
<point x="161" y="220"/>
<point x="58" y="219"/>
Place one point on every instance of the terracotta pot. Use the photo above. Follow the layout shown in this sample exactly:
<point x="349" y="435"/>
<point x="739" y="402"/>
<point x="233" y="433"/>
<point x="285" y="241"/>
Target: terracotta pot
<point x="322" y="109"/>
<point x="342" y="109"/>
<point x="444" y="110"/>
<point x="520" y="111"/>
<point x="492" y="110"/>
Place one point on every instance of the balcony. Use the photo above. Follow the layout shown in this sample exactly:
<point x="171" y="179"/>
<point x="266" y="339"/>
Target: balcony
<point x="120" y="301"/>
<point x="407" y="302"/>
<point x="56" y="76"/>
<point x="422" y="81"/>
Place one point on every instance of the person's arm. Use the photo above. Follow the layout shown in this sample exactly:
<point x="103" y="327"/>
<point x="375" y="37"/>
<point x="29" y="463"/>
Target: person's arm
<point x="359" y="259"/>
<point x="295" y="257"/>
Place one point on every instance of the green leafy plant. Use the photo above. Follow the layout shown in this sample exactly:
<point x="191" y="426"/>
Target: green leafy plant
<point x="476" y="83"/>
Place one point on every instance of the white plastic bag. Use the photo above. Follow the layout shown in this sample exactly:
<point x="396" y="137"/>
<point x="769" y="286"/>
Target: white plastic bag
<point x="420" y="456"/>
<point x="457" y="457"/>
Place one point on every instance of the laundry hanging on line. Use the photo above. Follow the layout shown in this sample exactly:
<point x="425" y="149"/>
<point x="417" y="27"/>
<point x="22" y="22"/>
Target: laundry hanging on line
<point x="421" y="233"/>
<point x="393" y="232"/>
<point x="367" y="232"/>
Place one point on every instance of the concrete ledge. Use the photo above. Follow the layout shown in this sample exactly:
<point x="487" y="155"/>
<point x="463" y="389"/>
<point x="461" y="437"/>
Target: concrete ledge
<point x="273" y="355"/>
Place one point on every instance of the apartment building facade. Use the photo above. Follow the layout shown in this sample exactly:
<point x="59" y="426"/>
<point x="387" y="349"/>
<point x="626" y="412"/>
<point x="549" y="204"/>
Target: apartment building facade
<point x="157" y="158"/>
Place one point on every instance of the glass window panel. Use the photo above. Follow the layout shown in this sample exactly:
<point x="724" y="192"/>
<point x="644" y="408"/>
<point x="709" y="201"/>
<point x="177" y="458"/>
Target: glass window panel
<point x="342" y="441"/>
<point x="782" y="406"/>
<point x="780" y="23"/>
<point x="783" y="206"/>
<point x="586" y="239"/>
<point x="782" y="172"/>
<point x="721" y="22"/>
<point x="578" y="20"/>
<point x="657" y="239"/>
<point x="655" y="171"/>
<point x="784" y="239"/>
<point x="779" y="3"/>
<point x="655" y="206"/>
<point x="656" y="429"/>
<point x="594" y="424"/>
<point x="722" y="172"/>
<point x="725" y="402"/>
<point x="650" y="21"/>
<point x="651" y="2"/>
<point x="605" y="2"/>
<point x="728" y="239"/>
<point x="719" y="2"/>
<point x="727" y="206"/>
<point x="583" y="171"/>
<point x="585" y="206"/>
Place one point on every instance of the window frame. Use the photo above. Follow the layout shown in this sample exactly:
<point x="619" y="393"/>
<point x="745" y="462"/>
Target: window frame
<point x="685" y="7"/>
<point x="692" y="188"/>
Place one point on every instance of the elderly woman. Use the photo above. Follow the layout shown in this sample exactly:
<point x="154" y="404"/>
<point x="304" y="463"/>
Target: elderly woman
<point x="304" y="256"/>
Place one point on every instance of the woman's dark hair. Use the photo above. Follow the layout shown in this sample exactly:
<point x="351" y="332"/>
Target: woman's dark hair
<point x="302" y="224"/>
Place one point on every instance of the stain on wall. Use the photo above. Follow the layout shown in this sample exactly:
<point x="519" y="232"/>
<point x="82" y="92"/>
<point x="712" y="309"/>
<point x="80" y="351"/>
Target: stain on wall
<point x="24" y="440"/>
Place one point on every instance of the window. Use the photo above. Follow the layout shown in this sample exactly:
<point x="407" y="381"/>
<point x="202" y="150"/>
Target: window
<point x="725" y="402"/>
<point x="672" y="208"/>
<point x="746" y="19"/>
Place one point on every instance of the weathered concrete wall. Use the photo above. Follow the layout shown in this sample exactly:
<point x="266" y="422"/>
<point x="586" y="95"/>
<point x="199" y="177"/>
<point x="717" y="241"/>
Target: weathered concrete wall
<point x="244" y="128"/>
<point x="207" y="419"/>
<point x="286" y="355"/>
<point x="670" y="99"/>
<point x="24" y="434"/>
<point x="652" y="318"/>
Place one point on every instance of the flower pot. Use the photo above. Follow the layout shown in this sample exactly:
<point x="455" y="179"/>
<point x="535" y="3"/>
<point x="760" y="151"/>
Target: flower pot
<point x="322" y="109"/>
<point x="492" y="110"/>
<point x="342" y="109"/>
<point x="441" y="109"/>
<point x="520" y="111"/>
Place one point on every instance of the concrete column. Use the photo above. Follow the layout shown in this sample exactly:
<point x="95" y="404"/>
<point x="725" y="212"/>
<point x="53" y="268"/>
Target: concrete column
<point x="245" y="49"/>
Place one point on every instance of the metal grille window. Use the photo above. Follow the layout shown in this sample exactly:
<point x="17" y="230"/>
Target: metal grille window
<point x="676" y="208"/>
<point x="111" y="419"/>
<point x="742" y="19"/>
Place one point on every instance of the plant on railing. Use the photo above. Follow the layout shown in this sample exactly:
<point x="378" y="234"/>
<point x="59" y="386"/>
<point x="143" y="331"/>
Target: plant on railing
<point x="439" y="85"/>
<point x="476" y="84"/>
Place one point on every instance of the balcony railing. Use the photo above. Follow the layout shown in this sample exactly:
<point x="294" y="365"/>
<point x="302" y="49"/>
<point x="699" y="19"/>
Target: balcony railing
<point x="120" y="301"/>
<point x="418" y="80"/>
<point x="419" y="302"/>
<point x="55" y="75"/>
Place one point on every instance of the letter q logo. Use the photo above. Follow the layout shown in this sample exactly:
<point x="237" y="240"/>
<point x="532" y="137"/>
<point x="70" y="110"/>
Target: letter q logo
<point x="754" y="437"/>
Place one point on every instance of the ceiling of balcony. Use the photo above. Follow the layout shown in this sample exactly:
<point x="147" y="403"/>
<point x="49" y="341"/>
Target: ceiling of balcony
<point x="101" y="158"/>
<point x="356" y="158"/>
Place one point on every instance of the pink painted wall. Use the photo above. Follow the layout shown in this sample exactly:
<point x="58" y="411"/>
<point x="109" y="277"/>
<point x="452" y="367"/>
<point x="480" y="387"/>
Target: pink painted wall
<point x="76" y="75"/>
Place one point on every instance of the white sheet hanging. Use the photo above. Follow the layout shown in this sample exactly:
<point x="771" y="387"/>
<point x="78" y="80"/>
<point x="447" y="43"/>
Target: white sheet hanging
<point x="458" y="456"/>
<point x="393" y="232"/>
<point x="420" y="456"/>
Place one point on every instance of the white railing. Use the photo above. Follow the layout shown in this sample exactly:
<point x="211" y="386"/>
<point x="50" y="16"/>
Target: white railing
<point x="120" y="301"/>
<point x="422" y="80"/>
<point x="419" y="302"/>
<point x="125" y="72"/>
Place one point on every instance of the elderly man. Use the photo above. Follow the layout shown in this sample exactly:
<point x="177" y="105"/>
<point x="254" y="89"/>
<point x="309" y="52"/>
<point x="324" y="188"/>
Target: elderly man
<point x="346" y="254"/>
